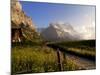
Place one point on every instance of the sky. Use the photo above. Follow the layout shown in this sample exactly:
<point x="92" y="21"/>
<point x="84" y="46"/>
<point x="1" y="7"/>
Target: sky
<point x="81" y="17"/>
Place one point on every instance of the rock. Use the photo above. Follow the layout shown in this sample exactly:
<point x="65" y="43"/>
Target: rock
<point x="18" y="16"/>
<point x="21" y="24"/>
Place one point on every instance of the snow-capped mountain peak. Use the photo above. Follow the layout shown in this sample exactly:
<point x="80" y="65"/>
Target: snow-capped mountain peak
<point x="59" y="32"/>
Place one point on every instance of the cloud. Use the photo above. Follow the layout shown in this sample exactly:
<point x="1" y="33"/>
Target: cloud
<point x="87" y="31"/>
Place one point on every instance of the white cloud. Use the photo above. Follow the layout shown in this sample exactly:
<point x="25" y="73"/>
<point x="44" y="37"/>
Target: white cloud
<point x="87" y="31"/>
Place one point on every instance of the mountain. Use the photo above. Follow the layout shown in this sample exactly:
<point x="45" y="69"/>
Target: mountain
<point x="59" y="32"/>
<point x="20" y="22"/>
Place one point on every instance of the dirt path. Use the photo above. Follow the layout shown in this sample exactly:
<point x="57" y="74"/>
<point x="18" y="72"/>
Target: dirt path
<point x="83" y="63"/>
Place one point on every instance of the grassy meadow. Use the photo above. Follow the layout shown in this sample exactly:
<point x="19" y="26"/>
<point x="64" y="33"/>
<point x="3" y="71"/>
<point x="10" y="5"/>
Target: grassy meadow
<point x="33" y="57"/>
<point x="36" y="57"/>
<point x="84" y="48"/>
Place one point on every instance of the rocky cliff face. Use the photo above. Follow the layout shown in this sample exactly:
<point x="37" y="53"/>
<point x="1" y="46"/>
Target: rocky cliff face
<point x="19" y="20"/>
<point x="19" y="17"/>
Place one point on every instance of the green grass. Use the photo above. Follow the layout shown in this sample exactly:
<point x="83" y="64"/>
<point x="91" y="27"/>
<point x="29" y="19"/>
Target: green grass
<point x="80" y="44"/>
<point x="85" y="48"/>
<point x="37" y="59"/>
<point x="34" y="57"/>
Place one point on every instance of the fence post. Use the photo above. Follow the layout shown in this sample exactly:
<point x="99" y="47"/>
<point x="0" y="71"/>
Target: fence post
<point x="59" y="60"/>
